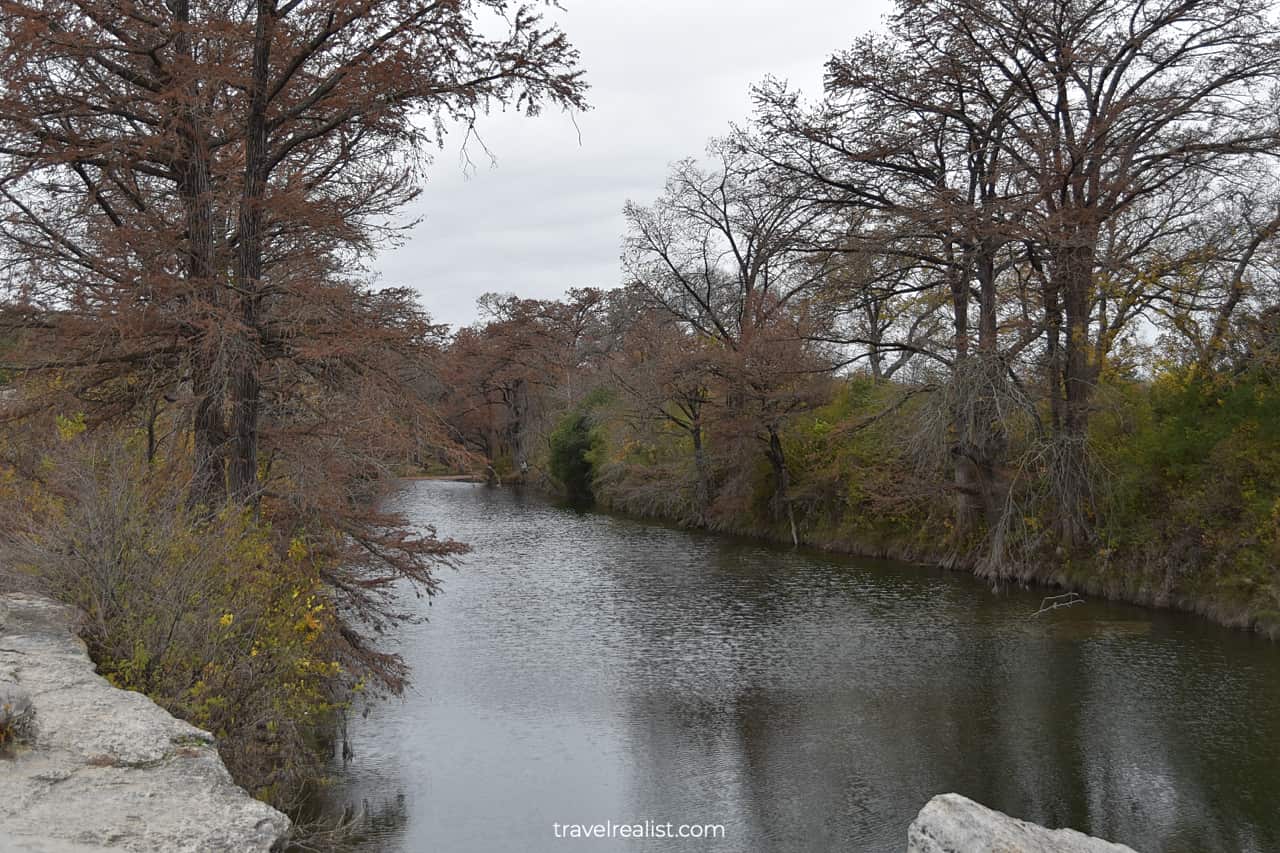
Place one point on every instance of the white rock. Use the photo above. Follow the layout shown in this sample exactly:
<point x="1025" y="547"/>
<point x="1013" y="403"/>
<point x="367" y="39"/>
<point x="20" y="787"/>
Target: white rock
<point x="950" y="823"/>
<point x="109" y="768"/>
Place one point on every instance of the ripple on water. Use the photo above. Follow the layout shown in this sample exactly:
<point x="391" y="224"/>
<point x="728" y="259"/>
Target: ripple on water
<point x="582" y="668"/>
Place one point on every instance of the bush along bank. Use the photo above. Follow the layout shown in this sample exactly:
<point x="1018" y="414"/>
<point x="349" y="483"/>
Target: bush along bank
<point x="1185" y="497"/>
<point x="249" y="624"/>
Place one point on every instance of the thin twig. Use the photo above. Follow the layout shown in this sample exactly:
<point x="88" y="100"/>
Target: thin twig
<point x="1067" y="599"/>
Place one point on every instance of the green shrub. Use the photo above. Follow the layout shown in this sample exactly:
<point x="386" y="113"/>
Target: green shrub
<point x="576" y="448"/>
<point x="1193" y="505"/>
<point x="572" y="455"/>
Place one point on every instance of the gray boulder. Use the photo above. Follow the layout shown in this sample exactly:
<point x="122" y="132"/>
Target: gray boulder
<point x="950" y="823"/>
<point x="106" y="768"/>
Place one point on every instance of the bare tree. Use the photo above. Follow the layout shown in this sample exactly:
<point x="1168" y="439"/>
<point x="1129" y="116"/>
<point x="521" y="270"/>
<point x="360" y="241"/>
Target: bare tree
<point x="732" y="253"/>
<point x="1021" y="151"/>
<point x="1111" y="103"/>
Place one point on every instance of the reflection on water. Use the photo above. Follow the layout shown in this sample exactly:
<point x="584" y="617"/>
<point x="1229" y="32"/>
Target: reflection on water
<point x="586" y="668"/>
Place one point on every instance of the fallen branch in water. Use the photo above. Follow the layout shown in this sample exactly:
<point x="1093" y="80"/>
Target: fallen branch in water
<point x="1053" y="602"/>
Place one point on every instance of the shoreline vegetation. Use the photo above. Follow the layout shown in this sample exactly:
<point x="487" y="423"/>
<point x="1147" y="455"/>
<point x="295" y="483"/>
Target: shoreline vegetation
<point x="1103" y="576"/>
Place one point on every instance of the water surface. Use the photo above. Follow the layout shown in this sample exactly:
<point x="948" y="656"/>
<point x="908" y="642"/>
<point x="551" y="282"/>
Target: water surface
<point x="584" y="668"/>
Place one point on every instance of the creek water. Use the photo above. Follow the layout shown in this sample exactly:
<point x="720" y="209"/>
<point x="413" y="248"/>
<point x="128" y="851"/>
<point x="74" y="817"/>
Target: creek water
<point x="585" y="668"/>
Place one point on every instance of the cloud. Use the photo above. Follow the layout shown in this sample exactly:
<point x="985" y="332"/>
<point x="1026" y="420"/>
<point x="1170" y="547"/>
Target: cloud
<point x="666" y="75"/>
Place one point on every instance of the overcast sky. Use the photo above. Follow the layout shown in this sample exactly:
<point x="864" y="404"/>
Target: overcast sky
<point x="665" y="76"/>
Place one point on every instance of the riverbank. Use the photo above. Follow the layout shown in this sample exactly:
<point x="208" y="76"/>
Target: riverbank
<point x="1183" y="510"/>
<point x="1094" y="579"/>
<point x="447" y="478"/>
<point x="107" y="768"/>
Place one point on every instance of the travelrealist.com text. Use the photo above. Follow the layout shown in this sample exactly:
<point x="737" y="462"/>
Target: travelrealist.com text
<point x="643" y="829"/>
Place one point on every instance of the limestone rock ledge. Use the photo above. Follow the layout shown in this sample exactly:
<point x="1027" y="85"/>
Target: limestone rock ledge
<point x="107" y="769"/>
<point x="950" y="823"/>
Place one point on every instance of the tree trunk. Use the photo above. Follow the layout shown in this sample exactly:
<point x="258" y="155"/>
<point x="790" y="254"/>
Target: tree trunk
<point x="1073" y="263"/>
<point x="990" y="438"/>
<point x="517" y="426"/>
<point x="782" y="481"/>
<point x="209" y="433"/>
<point x="702" y="488"/>
<point x="964" y="480"/>
<point x="246" y="389"/>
